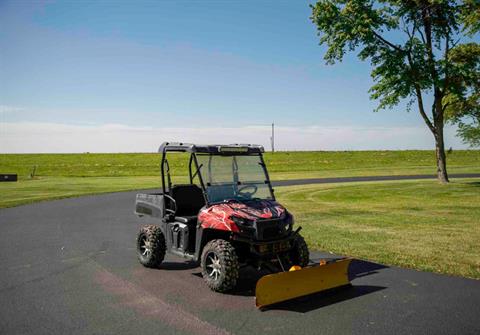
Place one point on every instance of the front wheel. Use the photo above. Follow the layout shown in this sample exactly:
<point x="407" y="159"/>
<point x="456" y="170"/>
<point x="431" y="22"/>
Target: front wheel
<point x="219" y="265"/>
<point x="299" y="255"/>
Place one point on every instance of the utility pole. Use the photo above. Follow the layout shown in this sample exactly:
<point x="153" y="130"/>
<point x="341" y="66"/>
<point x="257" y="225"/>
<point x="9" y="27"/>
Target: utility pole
<point x="272" y="138"/>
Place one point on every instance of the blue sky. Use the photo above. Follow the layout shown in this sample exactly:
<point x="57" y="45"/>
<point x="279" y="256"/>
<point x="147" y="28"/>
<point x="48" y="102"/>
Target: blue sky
<point x="183" y="71"/>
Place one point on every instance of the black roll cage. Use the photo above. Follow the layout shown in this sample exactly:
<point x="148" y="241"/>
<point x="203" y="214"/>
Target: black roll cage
<point x="220" y="150"/>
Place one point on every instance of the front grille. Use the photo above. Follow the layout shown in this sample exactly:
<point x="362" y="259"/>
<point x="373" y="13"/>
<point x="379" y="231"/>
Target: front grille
<point x="269" y="229"/>
<point x="271" y="232"/>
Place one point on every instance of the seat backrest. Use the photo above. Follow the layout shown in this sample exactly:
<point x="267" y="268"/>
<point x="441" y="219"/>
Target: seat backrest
<point x="189" y="199"/>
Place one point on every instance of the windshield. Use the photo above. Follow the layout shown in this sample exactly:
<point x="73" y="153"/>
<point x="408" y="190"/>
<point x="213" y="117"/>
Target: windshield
<point x="234" y="177"/>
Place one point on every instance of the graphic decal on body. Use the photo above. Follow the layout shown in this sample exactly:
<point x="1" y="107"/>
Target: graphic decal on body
<point x="218" y="216"/>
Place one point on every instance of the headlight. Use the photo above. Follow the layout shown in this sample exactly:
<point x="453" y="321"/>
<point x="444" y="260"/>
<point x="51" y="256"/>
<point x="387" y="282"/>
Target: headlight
<point x="288" y="220"/>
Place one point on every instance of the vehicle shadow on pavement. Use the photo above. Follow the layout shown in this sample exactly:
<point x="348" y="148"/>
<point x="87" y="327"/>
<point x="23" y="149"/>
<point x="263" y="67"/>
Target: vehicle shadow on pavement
<point x="246" y="282"/>
<point x="178" y="265"/>
<point x="327" y="298"/>
<point x="358" y="268"/>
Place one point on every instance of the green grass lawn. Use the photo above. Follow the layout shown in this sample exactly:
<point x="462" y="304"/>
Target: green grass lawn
<point x="282" y="165"/>
<point x="415" y="224"/>
<point x="49" y="188"/>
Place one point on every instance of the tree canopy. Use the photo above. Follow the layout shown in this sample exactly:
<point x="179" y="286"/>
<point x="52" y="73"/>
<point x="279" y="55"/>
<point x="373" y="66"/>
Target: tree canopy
<point x="416" y="48"/>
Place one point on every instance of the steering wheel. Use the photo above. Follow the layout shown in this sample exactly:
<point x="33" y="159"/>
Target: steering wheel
<point x="241" y="191"/>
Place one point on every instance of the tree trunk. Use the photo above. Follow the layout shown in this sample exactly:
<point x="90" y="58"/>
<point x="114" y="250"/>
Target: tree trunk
<point x="441" y="158"/>
<point x="437" y="108"/>
<point x="437" y="130"/>
<point x="440" y="145"/>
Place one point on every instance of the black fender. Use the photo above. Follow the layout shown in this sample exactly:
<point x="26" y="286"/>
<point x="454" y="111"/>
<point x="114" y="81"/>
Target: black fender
<point x="203" y="236"/>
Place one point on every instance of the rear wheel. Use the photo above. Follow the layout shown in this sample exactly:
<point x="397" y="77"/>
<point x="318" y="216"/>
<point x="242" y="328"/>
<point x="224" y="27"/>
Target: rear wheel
<point x="299" y="255"/>
<point x="220" y="265"/>
<point x="151" y="246"/>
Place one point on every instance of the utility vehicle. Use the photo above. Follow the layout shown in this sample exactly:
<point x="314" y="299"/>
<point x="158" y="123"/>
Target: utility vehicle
<point x="227" y="217"/>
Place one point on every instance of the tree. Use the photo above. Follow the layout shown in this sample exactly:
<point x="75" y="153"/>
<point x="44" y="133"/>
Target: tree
<point x="415" y="51"/>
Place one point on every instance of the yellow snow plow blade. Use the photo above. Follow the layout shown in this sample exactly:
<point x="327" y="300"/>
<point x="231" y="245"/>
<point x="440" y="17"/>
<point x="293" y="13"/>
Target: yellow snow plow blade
<point x="284" y="286"/>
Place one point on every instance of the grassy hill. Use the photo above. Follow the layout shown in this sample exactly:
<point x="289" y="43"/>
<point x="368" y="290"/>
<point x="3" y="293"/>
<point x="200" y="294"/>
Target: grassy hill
<point x="282" y="165"/>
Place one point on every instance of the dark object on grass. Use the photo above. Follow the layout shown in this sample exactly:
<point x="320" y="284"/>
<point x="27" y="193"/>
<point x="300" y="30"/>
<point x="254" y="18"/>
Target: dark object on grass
<point x="227" y="218"/>
<point x="32" y="174"/>
<point x="8" y="177"/>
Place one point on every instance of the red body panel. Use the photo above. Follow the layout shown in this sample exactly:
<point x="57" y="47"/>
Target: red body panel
<point x="218" y="216"/>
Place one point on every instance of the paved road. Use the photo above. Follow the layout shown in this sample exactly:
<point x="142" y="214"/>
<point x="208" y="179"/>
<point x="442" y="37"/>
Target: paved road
<point x="293" y="182"/>
<point x="69" y="267"/>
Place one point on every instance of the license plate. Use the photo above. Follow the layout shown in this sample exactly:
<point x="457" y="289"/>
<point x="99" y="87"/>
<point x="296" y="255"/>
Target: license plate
<point x="280" y="246"/>
<point x="276" y="247"/>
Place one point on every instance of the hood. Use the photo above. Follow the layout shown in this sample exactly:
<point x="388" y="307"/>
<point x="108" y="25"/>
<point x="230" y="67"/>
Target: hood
<point x="218" y="216"/>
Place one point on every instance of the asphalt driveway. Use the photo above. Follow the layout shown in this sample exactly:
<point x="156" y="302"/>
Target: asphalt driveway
<point x="69" y="267"/>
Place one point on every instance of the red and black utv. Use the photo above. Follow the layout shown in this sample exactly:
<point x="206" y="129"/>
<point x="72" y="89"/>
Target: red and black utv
<point x="225" y="217"/>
